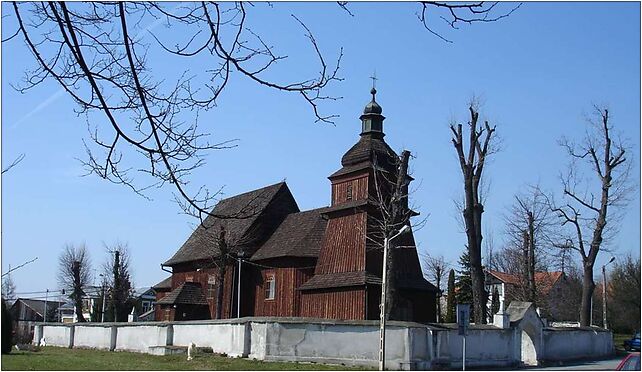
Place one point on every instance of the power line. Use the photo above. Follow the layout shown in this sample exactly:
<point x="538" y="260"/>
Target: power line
<point x="19" y="266"/>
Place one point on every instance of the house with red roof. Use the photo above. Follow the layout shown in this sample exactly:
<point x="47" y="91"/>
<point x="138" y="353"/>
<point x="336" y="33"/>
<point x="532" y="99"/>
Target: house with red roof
<point x="550" y="286"/>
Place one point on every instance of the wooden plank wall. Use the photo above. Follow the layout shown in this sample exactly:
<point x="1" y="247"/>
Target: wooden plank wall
<point x="282" y="302"/>
<point x="336" y="304"/>
<point x="201" y="277"/>
<point x="359" y="189"/>
<point x="287" y="299"/>
<point x="344" y="244"/>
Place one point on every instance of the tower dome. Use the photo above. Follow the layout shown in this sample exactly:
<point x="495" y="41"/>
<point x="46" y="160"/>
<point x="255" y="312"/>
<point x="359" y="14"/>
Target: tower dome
<point x="372" y="107"/>
<point x="372" y="120"/>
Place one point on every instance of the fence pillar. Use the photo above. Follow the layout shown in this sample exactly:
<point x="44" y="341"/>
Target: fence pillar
<point x="72" y="333"/>
<point x="114" y="338"/>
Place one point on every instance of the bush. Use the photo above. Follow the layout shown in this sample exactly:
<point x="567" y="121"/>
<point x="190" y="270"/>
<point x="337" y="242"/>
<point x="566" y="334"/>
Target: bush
<point x="7" y="331"/>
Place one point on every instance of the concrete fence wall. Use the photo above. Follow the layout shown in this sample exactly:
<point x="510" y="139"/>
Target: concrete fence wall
<point x="408" y="345"/>
<point x="140" y="338"/>
<point x="484" y="347"/>
<point x="99" y="337"/>
<point x="577" y="343"/>
<point x="231" y="339"/>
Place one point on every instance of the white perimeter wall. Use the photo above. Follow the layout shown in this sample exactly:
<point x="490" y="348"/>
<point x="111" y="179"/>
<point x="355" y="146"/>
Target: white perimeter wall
<point x="408" y="345"/>
<point x="139" y="338"/>
<point x="54" y="336"/>
<point x="572" y="343"/>
<point x="231" y="339"/>
<point x="95" y="337"/>
<point x="487" y="347"/>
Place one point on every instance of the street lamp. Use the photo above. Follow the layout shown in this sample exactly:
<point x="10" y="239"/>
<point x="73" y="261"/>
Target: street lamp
<point x="382" y="307"/>
<point x="238" y="285"/>
<point x="102" y="284"/>
<point x="604" y="292"/>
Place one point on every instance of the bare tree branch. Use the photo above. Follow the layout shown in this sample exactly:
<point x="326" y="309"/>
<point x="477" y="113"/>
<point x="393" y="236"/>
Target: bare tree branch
<point x="14" y="163"/>
<point x="458" y="13"/>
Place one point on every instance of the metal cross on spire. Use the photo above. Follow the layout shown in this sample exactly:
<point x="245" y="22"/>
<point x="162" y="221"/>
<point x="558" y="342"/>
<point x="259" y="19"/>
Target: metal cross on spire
<point x="374" y="79"/>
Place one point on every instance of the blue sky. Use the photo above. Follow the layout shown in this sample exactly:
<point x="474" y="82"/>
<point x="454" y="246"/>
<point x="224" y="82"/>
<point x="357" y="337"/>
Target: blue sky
<point x="538" y="73"/>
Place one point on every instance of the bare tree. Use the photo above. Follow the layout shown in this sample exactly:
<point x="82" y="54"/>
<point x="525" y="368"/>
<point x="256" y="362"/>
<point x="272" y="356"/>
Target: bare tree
<point x="74" y="272"/>
<point x="624" y="295"/>
<point x="588" y="207"/>
<point x="530" y="234"/>
<point x="390" y="199"/>
<point x="221" y="262"/>
<point x="8" y="288"/>
<point x="148" y="127"/>
<point x="97" y="53"/>
<point x="435" y="267"/>
<point x="116" y="270"/>
<point x="472" y="161"/>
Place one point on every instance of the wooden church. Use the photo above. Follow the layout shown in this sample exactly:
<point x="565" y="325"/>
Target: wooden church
<point x="283" y="262"/>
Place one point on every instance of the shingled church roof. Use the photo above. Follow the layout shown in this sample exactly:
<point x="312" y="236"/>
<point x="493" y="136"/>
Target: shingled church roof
<point x="345" y="279"/>
<point x="365" y="150"/>
<point x="299" y="235"/>
<point x="242" y="214"/>
<point x="187" y="293"/>
<point x="164" y="284"/>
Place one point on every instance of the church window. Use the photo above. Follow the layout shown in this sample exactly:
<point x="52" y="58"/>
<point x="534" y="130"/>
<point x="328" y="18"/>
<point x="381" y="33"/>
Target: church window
<point x="270" y="287"/>
<point x="349" y="192"/>
<point x="211" y="286"/>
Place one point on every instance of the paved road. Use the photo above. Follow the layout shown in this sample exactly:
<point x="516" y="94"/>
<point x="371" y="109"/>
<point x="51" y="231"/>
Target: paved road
<point x="600" y="365"/>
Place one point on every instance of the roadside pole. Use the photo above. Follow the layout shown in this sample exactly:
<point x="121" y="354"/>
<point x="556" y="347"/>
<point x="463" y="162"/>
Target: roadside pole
<point x="463" y="318"/>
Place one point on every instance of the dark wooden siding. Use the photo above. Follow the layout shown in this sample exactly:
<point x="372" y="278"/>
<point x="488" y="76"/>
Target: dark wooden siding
<point x="373" y="297"/>
<point x="202" y="277"/>
<point x="158" y="312"/>
<point x="359" y="189"/>
<point x="335" y="304"/>
<point x="287" y="299"/>
<point x="344" y="245"/>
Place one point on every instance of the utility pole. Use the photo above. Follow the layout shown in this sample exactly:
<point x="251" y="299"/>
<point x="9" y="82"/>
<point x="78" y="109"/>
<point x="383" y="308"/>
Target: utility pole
<point x="44" y="316"/>
<point x="382" y="306"/>
<point x="116" y="286"/>
<point x="604" y="324"/>
<point x="382" y="312"/>
<point x="238" y="285"/>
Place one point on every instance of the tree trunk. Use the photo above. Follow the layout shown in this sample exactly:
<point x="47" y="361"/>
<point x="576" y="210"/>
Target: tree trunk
<point x="479" y="292"/>
<point x="524" y="280"/>
<point x="438" y="277"/>
<point x="115" y="298"/>
<point x="77" y="293"/>
<point x="219" y="292"/>
<point x="531" y="259"/>
<point x="588" y="286"/>
<point x="397" y="211"/>
<point x="472" y="218"/>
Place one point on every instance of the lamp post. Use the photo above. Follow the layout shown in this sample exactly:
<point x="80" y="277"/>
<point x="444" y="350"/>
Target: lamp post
<point x="102" y="284"/>
<point x="604" y="292"/>
<point x="382" y="306"/>
<point x="238" y="285"/>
